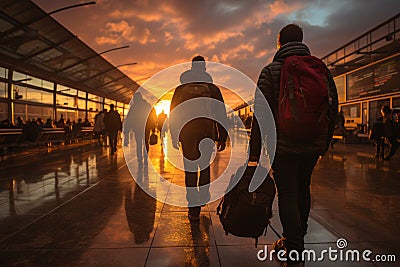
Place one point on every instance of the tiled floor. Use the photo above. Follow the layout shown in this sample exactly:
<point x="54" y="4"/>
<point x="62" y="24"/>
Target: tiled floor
<point x="81" y="207"/>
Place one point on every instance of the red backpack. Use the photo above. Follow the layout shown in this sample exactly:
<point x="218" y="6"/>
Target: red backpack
<point x="304" y="103"/>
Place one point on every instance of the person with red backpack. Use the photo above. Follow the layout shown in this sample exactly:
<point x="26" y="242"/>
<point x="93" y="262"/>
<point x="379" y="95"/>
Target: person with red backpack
<point x="302" y="95"/>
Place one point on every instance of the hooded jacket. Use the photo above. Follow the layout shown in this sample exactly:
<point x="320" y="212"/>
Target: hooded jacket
<point x="269" y="85"/>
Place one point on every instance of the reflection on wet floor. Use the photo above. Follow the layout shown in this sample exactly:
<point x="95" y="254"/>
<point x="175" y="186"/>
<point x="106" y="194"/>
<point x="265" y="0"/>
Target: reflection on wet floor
<point x="81" y="207"/>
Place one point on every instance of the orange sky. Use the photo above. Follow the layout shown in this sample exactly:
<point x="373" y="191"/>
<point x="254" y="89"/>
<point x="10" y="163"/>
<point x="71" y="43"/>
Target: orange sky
<point x="241" y="34"/>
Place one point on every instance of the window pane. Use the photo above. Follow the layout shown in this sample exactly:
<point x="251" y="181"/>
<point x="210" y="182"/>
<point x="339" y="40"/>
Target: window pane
<point x="3" y="72"/>
<point x="20" y="111"/>
<point x="81" y="103"/>
<point x="351" y="111"/>
<point x="3" y="111"/>
<point x="66" y="101"/>
<point x="82" y="94"/>
<point x="66" y="90"/>
<point x="3" y="89"/>
<point x="67" y="114"/>
<point x="35" y="112"/>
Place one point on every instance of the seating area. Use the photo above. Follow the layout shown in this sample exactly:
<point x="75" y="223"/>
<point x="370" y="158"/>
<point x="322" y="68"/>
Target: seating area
<point x="13" y="138"/>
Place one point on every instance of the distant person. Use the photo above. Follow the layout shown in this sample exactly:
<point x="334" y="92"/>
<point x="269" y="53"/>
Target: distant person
<point x="6" y="124"/>
<point x="49" y="123"/>
<point x="20" y="123"/>
<point x="390" y="131"/>
<point x="160" y="124"/>
<point x="87" y="123"/>
<point x="31" y="132"/>
<point x="113" y="124"/>
<point x="340" y="130"/>
<point x="141" y="120"/>
<point x="99" y="127"/>
<point x="196" y="82"/>
<point x="40" y="122"/>
<point x="296" y="154"/>
<point x="61" y="122"/>
<point x="377" y="134"/>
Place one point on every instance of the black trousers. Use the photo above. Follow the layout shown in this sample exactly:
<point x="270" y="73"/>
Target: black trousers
<point x="393" y="146"/>
<point x="197" y="169"/>
<point x="113" y="139"/>
<point x="292" y="175"/>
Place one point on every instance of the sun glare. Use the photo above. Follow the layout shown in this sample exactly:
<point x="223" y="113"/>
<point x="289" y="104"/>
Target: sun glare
<point x="162" y="105"/>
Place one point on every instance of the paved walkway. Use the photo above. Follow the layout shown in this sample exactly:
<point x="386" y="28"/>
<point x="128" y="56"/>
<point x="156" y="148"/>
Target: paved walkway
<point x="81" y="207"/>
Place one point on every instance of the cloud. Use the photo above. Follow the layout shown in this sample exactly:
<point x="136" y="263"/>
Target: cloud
<point x="241" y="34"/>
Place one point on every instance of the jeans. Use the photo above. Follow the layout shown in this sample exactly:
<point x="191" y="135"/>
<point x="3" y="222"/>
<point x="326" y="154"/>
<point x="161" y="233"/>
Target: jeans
<point x="292" y="174"/>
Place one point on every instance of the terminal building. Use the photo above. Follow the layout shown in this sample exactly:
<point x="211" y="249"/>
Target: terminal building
<point x="46" y="71"/>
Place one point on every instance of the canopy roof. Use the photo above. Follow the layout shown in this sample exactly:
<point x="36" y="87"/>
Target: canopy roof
<point x="31" y="41"/>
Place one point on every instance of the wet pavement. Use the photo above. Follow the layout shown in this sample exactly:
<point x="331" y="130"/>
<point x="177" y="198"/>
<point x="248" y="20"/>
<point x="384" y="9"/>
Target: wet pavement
<point x="81" y="207"/>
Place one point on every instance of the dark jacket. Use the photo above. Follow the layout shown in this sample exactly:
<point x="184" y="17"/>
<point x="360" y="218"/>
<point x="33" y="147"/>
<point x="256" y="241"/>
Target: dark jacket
<point x="201" y="127"/>
<point x="377" y="130"/>
<point x="269" y="84"/>
<point x="112" y="121"/>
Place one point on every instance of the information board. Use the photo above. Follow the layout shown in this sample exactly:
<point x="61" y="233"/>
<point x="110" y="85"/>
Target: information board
<point x="380" y="78"/>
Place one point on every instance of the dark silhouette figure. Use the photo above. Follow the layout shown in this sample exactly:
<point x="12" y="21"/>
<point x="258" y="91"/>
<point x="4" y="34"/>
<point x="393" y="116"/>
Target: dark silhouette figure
<point x="160" y="124"/>
<point x="141" y="119"/>
<point x="99" y="127"/>
<point x="390" y="131"/>
<point x="113" y="124"/>
<point x="193" y="132"/>
<point x="377" y="134"/>
<point x="140" y="209"/>
<point x="294" y="160"/>
<point x="20" y="123"/>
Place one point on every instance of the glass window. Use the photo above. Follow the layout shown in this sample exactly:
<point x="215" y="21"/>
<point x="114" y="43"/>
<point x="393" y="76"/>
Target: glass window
<point x="20" y="111"/>
<point x="3" y="90"/>
<point x="109" y="101"/>
<point x="82" y="94"/>
<point x="3" y="72"/>
<point x="48" y="85"/>
<point x="95" y="98"/>
<point x="94" y="106"/>
<point x="396" y="102"/>
<point x="19" y="76"/>
<point x="81" y="103"/>
<point x="3" y="111"/>
<point x="81" y="115"/>
<point x="33" y="95"/>
<point x="35" y="81"/>
<point x="351" y="111"/>
<point x="35" y="112"/>
<point x="67" y="114"/>
<point x="66" y="90"/>
<point x="66" y="101"/>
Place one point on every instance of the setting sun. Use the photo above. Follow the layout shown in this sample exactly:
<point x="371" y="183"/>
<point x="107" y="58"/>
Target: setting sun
<point x="162" y="105"/>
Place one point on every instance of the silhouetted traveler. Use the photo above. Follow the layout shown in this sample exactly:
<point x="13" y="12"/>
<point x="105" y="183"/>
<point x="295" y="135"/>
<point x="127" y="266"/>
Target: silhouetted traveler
<point x="295" y="157"/>
<point x="61" y="123"/>
<point x="141" y="114"/>
<point x="20" y="123"/>
<point x="99" y="127"/>
<point x="160" y="124"/>
<point x="196" y="83"/>
<point x="377" y="134"/>
<point x="49" y="123"/>
<point x="31" y="132"/>
<point x="113" y="124"/>
<point x="390" y="132"/>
